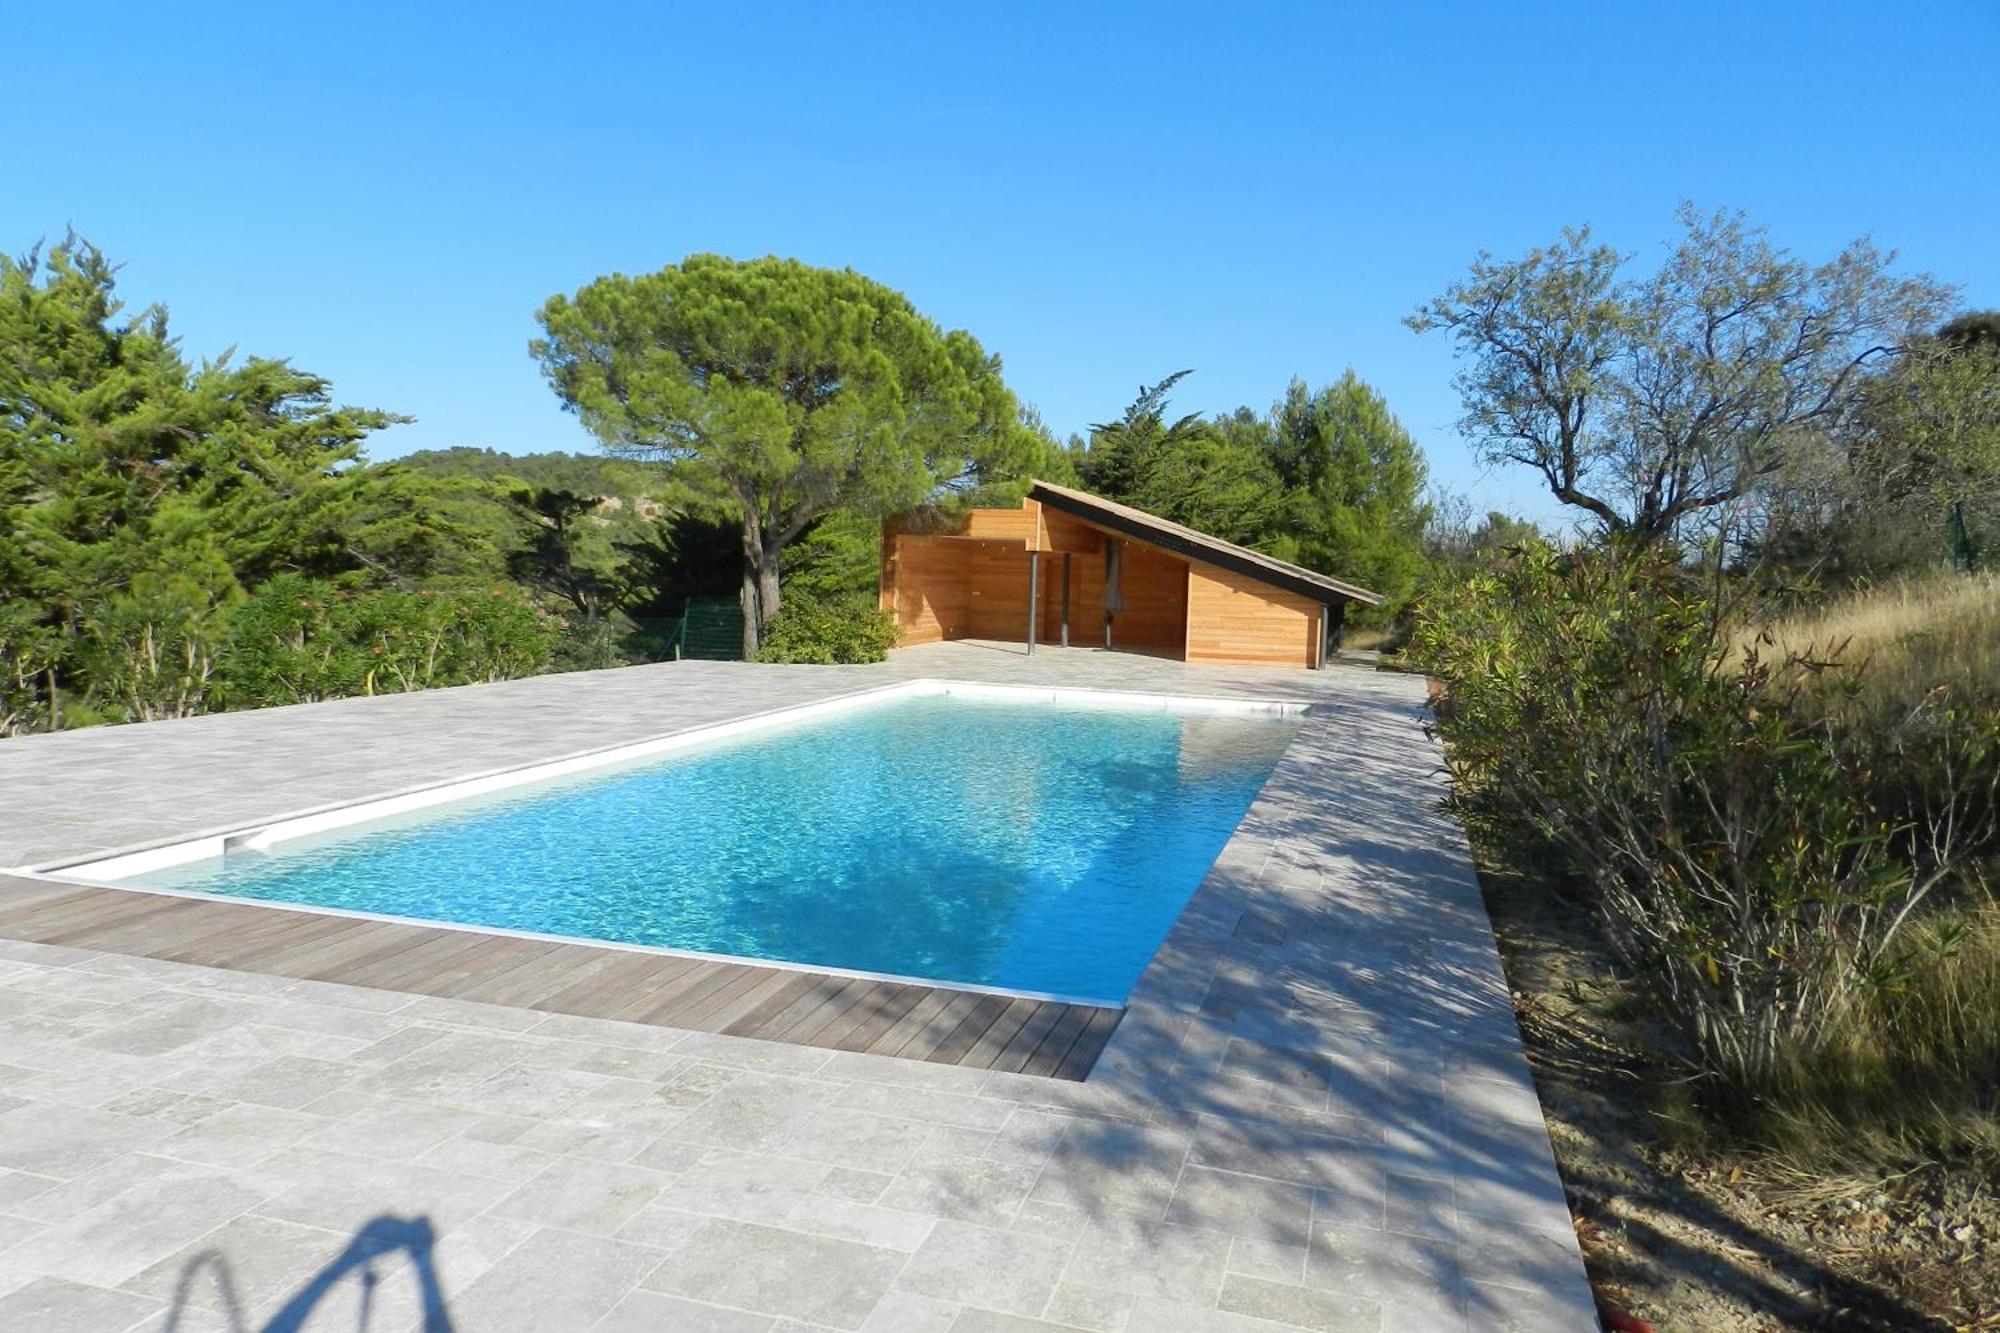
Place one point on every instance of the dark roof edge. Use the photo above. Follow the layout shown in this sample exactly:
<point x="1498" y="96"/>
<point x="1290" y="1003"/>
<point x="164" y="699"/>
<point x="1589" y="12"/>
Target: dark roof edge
<point x="1186" y="541"/>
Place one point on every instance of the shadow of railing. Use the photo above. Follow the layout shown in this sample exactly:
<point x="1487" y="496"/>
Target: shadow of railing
<point x="381" y="1238"/>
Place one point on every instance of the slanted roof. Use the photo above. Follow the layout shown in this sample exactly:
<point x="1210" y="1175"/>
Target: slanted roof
<point x="1185" y="541"/>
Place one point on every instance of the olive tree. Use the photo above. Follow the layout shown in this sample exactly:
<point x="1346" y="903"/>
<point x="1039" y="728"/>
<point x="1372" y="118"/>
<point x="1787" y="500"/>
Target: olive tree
<point x="782" y="391"/>
<point x="1652" y="401"/>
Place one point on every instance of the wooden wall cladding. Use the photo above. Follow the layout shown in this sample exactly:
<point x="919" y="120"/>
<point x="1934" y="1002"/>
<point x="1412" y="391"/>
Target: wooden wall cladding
<point x="999" y="589"/>
<point x="976" y="586"/>
<point x="1023" y="526"/>
<point x="1155" y="585"/>
<point x="1155" y="588"/>
<point x="1231" y="618"/>
<point x="926" y="584"/>
<point x="1086" y="598"/>
<point x="1066" y="532"/>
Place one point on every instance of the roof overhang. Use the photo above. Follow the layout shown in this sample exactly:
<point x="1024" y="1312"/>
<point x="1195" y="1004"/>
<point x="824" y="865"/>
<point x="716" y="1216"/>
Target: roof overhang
<point x="1190" y="544"/>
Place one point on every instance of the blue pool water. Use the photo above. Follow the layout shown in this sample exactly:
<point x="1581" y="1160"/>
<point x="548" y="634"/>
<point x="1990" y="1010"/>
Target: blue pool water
<point x="1032" y="846"/>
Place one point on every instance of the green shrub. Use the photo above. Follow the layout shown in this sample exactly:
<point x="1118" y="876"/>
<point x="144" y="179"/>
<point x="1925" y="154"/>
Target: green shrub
<point x="299" y="640"/>
<point x="291" y="644"/>
<point x="836" y="631"/>
<point x="152" y="650"/>
<point x="589" y="643"/>
<point x="30" y="653"/>
<point x="1737" y="842"/>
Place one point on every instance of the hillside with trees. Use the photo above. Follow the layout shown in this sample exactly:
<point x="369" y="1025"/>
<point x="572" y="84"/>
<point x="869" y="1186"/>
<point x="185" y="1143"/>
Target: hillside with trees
<point x="178" y="536"/>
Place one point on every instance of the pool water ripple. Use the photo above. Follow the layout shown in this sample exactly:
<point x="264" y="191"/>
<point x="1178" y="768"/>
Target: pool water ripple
<point x="1031" y="846"/>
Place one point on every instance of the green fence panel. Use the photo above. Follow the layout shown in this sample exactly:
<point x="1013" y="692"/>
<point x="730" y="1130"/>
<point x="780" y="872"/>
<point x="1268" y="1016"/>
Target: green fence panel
<point x="713" y="631"/>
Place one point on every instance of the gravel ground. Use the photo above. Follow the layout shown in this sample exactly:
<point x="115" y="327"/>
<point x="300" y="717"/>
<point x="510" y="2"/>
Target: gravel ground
<point x="1700" y="1240"/>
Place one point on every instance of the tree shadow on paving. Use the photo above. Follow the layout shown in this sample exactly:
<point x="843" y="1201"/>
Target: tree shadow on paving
<point x="1327" y="1050"/>
<point x="381" y="1238"/>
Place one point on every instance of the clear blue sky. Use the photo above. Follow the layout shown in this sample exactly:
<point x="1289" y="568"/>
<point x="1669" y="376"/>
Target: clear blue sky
<point x="385" y="195"/>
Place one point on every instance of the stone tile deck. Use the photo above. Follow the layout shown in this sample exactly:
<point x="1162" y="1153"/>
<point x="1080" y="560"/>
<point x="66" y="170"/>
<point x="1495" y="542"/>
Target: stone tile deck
<point x="1315" y="1114"/>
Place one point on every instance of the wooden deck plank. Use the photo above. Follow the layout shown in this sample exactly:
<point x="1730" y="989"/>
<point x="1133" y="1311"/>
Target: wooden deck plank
<point x="751" y="1021"/>
<point x="501" y="956"/>
<point x="862" y="1004"/>
<point x="712" y="1010"/>
<point x="435" y="958"/>
<point x="907" y="1020"/>
<point x="630" y="986"/>
<point x="285" y="953"/>
<point x="939" y="1029"/>
<point x="364" y="956"/>
<point x="833" y="1003"/>
<point x="223" y="937"/>
<point x="636" y="991"/>
<point x="920" y="1017"/>
<point x="1013" y="1057"/>
<point x="48" y="917"/>
<point x="873" y="1016"/>
<point x="966" y="1036"/>
<point x="1089" y="1044"/>
<point x="1005" y="1028"/>
<point x="527" y="983"/>
<point x="1055" y="1046"/>
<point x="687" y="995"/>
<point x="109" y="929"/>
<point x="18" y="895"/>
<point x="806" y="1002"/>
<point x="600" y="991"/>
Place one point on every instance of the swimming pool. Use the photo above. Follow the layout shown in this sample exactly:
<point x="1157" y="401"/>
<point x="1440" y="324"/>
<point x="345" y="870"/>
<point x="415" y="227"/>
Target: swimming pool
<point x="1040" y="845"/>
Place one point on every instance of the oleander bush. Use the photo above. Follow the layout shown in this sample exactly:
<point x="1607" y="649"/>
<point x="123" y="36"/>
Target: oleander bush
<point x="1777" y="854"/>
<point x="828" y="632"/>
<point x="300" y="640"/>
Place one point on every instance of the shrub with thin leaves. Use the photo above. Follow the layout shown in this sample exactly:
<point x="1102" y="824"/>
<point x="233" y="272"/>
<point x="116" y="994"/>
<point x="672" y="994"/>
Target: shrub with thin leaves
<point x="152" y="649"/>
<point x="1734" y="841"/>
<point x="301" y="640"/>
<point x="827" y="633"/>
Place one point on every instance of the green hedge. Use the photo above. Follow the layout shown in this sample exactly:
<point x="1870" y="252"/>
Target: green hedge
<point x="836" y="631"/>
<point x="299" y="640"/>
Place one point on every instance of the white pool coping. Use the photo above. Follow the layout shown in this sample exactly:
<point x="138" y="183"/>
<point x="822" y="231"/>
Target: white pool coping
<point x="109" y="871"/>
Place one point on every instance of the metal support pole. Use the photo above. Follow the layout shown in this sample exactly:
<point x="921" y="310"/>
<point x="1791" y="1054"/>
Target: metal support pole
<point x="1065" y="601"/>
<point x="1034" y="586"/>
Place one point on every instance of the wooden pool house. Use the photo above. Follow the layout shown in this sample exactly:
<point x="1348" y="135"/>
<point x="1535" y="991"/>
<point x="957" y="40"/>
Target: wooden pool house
<point x="1068" y="568"/>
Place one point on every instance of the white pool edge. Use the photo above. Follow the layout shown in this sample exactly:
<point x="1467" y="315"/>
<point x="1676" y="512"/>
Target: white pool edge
<point x="265" y="834"/>
<point x="105" y="871"/>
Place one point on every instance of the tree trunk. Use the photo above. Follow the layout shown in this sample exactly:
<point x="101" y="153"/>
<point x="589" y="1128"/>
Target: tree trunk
<point x="769" y="597"/>
<point x="761" y="595"/>
<point x="747" y="598"/>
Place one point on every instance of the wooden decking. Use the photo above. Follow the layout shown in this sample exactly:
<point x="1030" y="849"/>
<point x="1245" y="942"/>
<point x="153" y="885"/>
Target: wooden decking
<point x="912" y="1022"/>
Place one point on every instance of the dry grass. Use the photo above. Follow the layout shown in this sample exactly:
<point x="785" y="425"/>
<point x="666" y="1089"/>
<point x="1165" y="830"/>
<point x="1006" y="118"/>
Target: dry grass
<point x="1367" y="638"/>
<point x="1912" y="1075"/>
<point x="1906" y="639"/>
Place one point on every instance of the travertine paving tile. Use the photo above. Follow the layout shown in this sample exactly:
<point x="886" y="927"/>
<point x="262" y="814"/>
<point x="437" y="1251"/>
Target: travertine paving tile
<point x="1315" y="1115"/>
<point x="994" y="1270"/>
<point x="52" y="1303"/>
<point x="552" y="1280"/>
<point x="779" y="1272"/>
